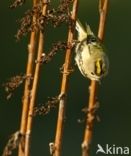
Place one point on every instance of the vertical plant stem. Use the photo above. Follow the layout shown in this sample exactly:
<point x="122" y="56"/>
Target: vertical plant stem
<point x="64" y="84"/>
<point x="34" y="86"/>
<point x="28" y="81"/>
<point x="103" y="5"/>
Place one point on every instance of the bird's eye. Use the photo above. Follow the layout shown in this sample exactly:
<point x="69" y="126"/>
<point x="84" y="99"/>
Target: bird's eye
<point x="91" y="38"/>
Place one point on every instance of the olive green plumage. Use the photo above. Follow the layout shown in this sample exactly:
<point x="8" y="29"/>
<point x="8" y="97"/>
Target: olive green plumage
<point x="90" y="57"/>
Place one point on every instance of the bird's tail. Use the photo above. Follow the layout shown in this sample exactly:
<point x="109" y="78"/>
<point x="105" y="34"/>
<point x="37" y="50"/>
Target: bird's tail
<point x="81" y="31"/>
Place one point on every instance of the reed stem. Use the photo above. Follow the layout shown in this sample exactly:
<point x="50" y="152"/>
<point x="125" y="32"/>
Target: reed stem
<point x="34" y="86"/>
<point x="64" y="84"/>
<point x="28" y="82"/>
<point x="103" y="5"/>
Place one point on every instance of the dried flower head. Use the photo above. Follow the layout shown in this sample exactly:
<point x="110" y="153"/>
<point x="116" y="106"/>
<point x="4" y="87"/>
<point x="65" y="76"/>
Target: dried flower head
<point x="17" y="3"/>
<point x="55" y="48"/>
<point x="27" y="23"/>
<point x="59" y="15"/>
<point x="35" y="20"/>
<point x="12" y="143"/>
<point x="12" y="84"/>
<point x="46" y="108"/>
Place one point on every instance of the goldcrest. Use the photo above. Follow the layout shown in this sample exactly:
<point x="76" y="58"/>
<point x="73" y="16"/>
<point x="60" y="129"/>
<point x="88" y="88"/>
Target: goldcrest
<point x="90" y="58"/>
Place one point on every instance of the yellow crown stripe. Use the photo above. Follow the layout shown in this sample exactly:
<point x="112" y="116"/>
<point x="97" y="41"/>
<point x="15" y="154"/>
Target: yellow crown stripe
<point x="98" y="67"/>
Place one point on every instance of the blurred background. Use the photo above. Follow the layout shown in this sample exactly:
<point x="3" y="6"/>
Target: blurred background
<point x="114" y="91"/>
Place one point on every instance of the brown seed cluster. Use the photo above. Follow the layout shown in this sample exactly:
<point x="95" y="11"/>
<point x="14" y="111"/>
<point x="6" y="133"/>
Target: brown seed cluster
<point x="46" y="108"/>
<point x="27" y="24"/>
<point x="12" y="143"/>
<point x="60" y="45"/>
<point x="92" y="114"/>
<point x="55" y="16"/>
<point x="13" y="83"/>
<point x="55" y="48"/>
<point x="60" y="14"/>
<point x="17" y="3"/>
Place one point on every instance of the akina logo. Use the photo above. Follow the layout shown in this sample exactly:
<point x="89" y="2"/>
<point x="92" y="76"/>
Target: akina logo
<point x="112" y="150"/>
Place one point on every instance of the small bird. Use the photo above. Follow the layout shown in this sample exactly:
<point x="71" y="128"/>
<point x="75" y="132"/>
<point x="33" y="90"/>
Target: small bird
<point x="90" y="57"/>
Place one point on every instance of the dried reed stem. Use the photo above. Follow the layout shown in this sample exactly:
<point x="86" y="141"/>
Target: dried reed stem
<point x="64" y="84"/>
<point x="34" y="86"/>
<point x="103" y="5"/>
<point x="29" y="74"/>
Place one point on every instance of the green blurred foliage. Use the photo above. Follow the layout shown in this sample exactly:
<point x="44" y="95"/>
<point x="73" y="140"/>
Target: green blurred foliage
<point x="114" y="91"/>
